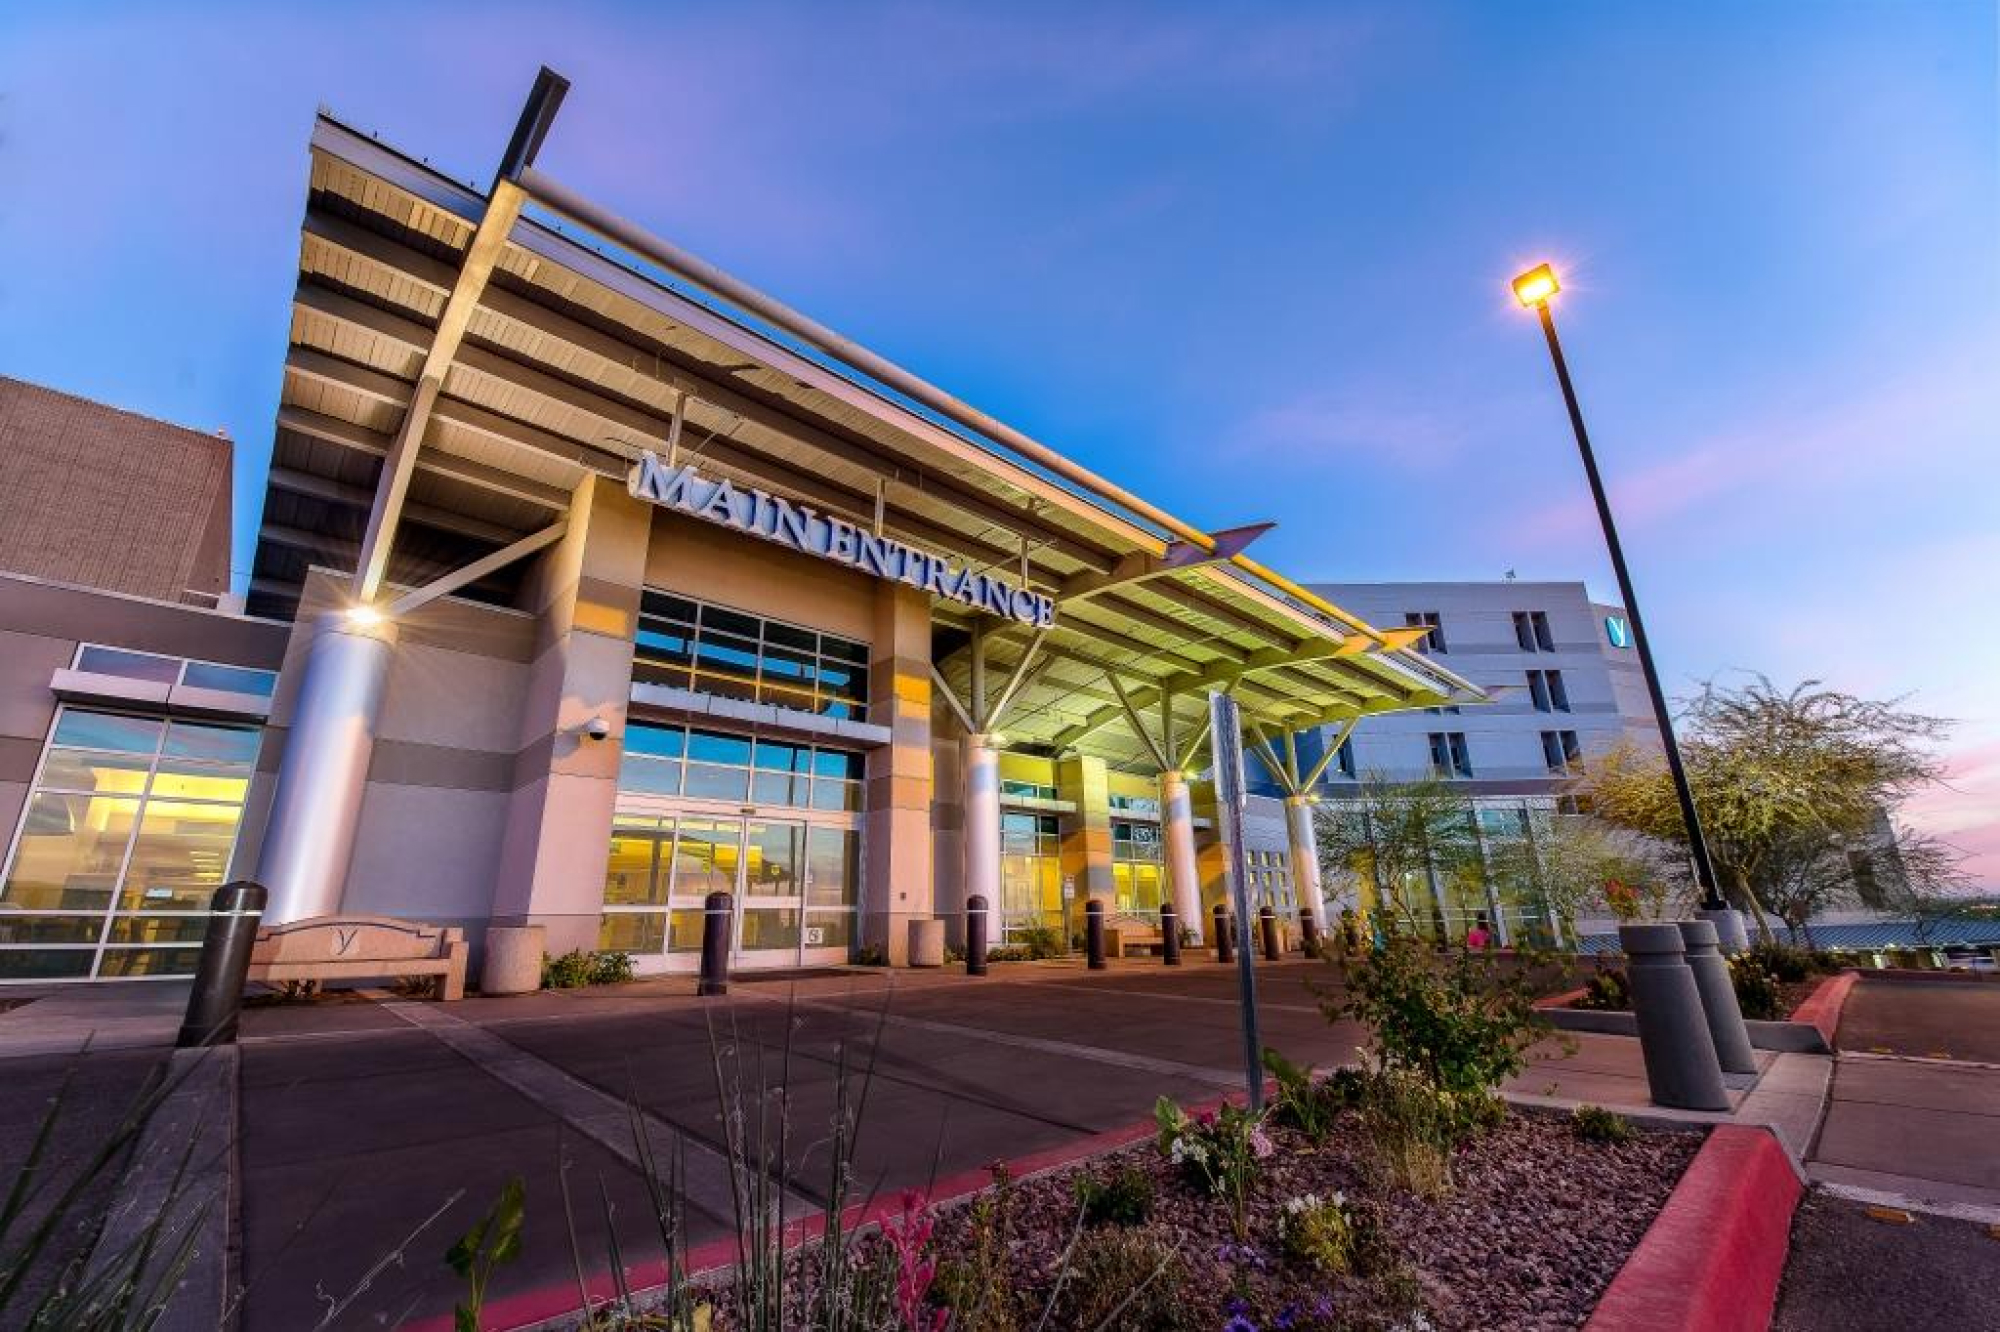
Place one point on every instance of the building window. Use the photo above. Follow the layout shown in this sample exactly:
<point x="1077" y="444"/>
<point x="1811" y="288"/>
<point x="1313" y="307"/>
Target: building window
<point x="1432" y="641"/>
<point x="157" y="669"/>
<point x="1344" y="760"/>
<point x="1026" y="790"/>
<point x="663" y="759"/>
<point x="714" y="650"/>
<point x="1548" y="692"/>
<point x="1143" y="805"/>
<point x="1449" y="755"/>
<point x="1030" y="873"/>
<point x="1531" y="631"/>
<point x="1135" y="866"/>
<point x="129" y="829"/>
<point x="1561" y="750"/>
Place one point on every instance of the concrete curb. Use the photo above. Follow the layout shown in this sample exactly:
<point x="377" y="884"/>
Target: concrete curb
<point x="1794" y="1037"/>
<point x="1713" y="1257"/>
<point x="1821" y="1009"/>
<point x="555" y="1306"/>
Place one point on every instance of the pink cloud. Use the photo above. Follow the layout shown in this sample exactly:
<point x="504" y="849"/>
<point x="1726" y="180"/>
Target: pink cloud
<point x="1965" y="809"/>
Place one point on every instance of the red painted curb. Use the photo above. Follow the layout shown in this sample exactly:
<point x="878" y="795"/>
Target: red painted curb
<point x="1713" y="1256"/>
<point x="1563" y="1000"/>
<point x="1821" y="1008"/>
<point x="535" y="1307"/>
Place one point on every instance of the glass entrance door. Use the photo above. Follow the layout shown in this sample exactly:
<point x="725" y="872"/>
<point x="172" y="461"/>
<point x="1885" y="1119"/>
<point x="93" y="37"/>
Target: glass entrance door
<point x="794" y="883"/>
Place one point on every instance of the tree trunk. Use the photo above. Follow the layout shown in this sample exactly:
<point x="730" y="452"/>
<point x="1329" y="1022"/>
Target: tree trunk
<point x="1749" y="902"/>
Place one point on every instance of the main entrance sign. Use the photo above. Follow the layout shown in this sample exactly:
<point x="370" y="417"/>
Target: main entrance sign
<point x="802" y="528"/>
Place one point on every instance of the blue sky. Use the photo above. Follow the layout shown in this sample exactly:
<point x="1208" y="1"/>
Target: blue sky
<point x="1250" y="260"/>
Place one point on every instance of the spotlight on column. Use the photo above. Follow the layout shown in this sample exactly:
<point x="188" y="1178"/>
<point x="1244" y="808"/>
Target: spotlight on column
<point x="364" y="615"/>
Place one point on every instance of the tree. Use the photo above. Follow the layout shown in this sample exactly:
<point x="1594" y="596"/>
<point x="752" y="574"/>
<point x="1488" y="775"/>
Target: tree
<point x="1400" y="838"/>
<point x="1574" y="863"/>
<point x="1927" y="880"/>
<point x="1782" y="780"/>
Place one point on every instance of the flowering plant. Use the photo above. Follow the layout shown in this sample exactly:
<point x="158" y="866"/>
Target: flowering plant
<point x="909" y="1239"/>
<point x="1317" y="1232"/>
<point x="1217" y="1149"/>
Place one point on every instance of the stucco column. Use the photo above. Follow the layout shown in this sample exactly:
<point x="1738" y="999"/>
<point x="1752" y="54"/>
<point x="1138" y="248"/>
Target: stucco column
<point x="1086" y="844"/>
<point x="585" y="595"/>
<point x="309" y="839"/>
<point x="1305" y="859"/>
<point x="898" y="852"/>
<point x="1177" y="831"/>
<point x="982" y="820"/>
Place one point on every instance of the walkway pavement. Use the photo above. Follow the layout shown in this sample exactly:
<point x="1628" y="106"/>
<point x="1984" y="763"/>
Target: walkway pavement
<point x="1905" y="1226"/>
<point x="373" y="1134"/>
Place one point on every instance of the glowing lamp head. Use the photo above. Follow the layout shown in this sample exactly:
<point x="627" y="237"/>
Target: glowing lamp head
<point x="1535" y="286"/>
<point x="363" y="615"/>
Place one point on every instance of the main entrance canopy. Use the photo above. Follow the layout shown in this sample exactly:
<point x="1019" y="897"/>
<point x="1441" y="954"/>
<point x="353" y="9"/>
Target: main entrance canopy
<point x="459" y="362"/>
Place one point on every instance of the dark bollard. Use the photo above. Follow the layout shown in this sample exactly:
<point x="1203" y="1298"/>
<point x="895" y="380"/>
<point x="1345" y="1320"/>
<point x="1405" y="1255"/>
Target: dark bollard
<point x="716" y="913"/>
<point x="1093" y="933"/>
<point x="1225" y="947"/>
<point x="975" y="935"/>
<point x="1267" y="923"/>
<point x="1309" y="933"/>
<point x="1681" y="1066"/>
<point x="1170" y="935"/>
<point x="1718" y="997"/>
<point x="235" y="909"/>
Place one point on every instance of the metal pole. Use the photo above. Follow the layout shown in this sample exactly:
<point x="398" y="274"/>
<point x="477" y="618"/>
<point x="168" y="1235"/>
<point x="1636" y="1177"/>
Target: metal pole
<point x="975" y="935"/>
<point x="1697" y="845"/>
<point x="716" y="910"/>
<point x="1226" y="748"/>
<point x="1170" y="935"/>
<point x="234" y="912"/>
<point x="1093" y="934"/>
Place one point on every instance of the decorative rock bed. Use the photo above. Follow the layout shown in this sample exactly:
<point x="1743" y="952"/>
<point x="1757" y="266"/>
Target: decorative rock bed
<point x="1535" y="1227"/>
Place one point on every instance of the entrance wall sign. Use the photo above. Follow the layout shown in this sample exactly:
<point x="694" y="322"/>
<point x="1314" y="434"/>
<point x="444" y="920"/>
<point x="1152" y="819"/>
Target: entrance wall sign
<point x="801" y="528"/>
<point x="1619" y="632"/>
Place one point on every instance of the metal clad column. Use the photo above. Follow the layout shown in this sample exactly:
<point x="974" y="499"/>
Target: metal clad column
<point x="1305" y="860"/>
<point x="982" y="819"/>
<point x="1177" y="830"/>
<point x="316" y="808"/>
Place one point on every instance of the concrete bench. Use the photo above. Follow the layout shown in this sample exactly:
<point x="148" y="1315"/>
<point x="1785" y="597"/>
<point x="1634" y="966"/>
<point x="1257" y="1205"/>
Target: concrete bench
<point x="1122" y="938"/>
<point x="360" y="948"/>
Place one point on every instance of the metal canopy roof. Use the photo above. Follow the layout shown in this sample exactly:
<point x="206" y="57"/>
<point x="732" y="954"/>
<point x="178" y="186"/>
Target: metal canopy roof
<point x="572" y="362"/>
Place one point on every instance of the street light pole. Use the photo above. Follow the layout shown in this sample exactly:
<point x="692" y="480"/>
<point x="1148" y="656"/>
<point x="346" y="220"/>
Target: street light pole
<point x="1535" y="288"/>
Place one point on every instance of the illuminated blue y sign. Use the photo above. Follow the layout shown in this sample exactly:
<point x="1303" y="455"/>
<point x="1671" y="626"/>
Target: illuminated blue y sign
<point x="1619" y="632"/>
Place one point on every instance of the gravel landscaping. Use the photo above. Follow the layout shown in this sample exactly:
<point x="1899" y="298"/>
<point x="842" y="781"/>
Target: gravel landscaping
<point x="1536" y="1225"/>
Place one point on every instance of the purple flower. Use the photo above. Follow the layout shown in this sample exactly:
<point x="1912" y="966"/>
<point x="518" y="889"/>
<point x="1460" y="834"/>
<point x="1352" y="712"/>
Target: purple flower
<point x="1239" y="1323"/>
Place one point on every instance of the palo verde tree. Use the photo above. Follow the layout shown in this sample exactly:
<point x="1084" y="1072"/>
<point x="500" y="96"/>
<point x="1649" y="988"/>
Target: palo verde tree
<point x="1786" y="782"/>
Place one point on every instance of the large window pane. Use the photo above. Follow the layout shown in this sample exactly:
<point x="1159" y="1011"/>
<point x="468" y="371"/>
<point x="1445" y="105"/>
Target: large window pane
<point x="104" y="730"/>
<point x="716" y="747"/>
<point x="633" y="932"/>
<point x="180" y="857"/>
<point x="85" y="770"/>
<point x="178" y="779"/>
<point x="149" y="962"/>
<point x="766" y="928"/>
<point x="652" y="776"/>
<point x="628" y="876"/>
<point x="23" y="929"/>
<point x="834" y="866"/>
<point x="774" y="855"/>
<point x="158" y="929"/>
<point x="21" y="964"/>
<point x="232" y="679"/>
<point x="131" y="665"/>
<point x="829" y="929"/>
<point x="220" y="744"/>
<point x="713" y="783"/>
<point x="70" y="851"/>
<point x="705" y="856"/>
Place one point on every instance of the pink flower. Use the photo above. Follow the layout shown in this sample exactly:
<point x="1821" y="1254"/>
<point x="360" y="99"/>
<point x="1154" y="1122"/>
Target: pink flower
<point x="909" y="1236"/>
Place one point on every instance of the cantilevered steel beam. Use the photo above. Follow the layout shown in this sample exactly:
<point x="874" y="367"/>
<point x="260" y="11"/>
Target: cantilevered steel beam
<point x="478" y="569"/>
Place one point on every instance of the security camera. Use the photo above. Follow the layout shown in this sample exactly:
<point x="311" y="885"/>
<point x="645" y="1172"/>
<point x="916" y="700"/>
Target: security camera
<point x="598" y="729"/>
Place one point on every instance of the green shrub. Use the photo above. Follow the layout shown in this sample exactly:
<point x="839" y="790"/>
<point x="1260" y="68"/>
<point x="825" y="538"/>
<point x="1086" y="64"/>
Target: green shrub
<point x="871" y="955"/>
<point x="610" y="968"/>
<point x="1124" y="1198"/>
<point x="979" y="1286"/>
<point x="1456" y="1019"/>
<point x="1301" y="1102"/>
<point x="1126" y="1279"/>
<point x="1344" y="1087"/>
<point x="567" y="972"/>
<point x="1006" y="954"/>
<point x="1040" y="942"/>
<point x="1607" y="991"/>
<point x="1221" y="1151"/>
<point x="1315" y="1233"/>
<point x="1757" y="991"/>
<point x="1784" y="963"/>
<point x="1593" y="1123"/>
<point x="1414" y="1128"/>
